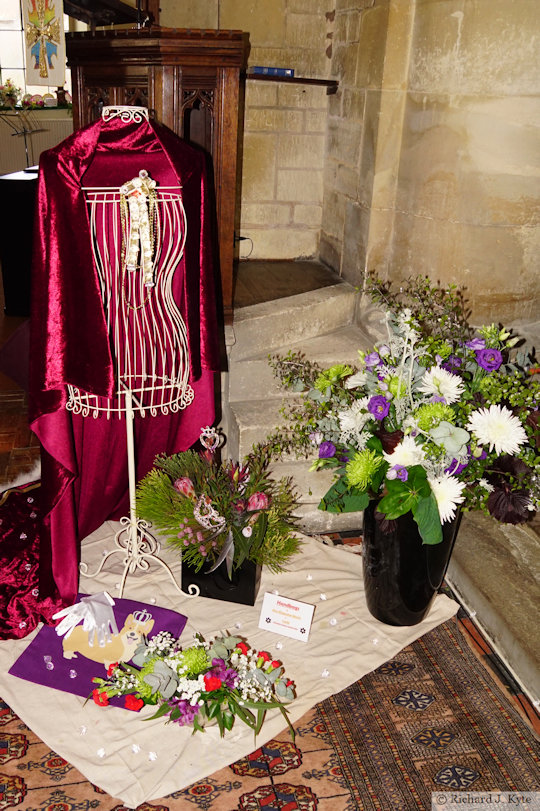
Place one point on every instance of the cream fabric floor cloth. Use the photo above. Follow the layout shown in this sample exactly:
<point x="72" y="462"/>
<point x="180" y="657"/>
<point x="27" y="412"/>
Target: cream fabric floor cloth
<point x="138" y="761"/>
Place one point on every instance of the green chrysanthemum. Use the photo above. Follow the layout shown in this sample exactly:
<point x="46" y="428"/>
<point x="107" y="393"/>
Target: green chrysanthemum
<point x="362" y="467"/>
<point x="396" y="386"/>
<point x="332" y="376"/>
<point x="431" y="414"/>
<point x="193" y="661"/>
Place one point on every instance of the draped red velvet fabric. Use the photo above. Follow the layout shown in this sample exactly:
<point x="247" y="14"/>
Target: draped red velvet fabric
<point x="84" y="462"/>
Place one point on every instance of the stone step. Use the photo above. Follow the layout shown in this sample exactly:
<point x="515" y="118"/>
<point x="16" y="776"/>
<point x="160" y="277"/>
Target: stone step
<point x="266" y="327"/>
<point x="495" y="572"/>
<point x="253" y="378"/>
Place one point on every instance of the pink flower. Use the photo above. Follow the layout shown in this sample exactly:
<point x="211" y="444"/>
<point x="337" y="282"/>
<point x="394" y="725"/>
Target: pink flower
<point x="184" y="485"/>
<point x="239" y="506"/>
<point x="258" y="501"/>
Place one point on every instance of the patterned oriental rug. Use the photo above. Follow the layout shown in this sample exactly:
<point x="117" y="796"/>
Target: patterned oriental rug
<point x="432" y="720"/>
<point x="428" y="717"/>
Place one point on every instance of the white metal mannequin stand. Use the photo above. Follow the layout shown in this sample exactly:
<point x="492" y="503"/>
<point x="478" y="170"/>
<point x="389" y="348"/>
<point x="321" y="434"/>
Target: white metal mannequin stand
<point x="138" y="237"/>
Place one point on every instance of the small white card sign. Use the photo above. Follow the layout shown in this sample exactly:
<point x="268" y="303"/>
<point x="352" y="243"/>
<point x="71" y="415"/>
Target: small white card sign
<point x="285" y="616"/>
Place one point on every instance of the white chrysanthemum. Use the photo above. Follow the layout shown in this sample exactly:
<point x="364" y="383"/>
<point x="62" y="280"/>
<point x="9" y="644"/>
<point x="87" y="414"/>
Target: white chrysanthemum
<point x="407" y="453"/>
<point x="441" y="383"/>
<point x="497" y="427"/>
<point x="354" y="418"/>
<point x="447" y="491"/>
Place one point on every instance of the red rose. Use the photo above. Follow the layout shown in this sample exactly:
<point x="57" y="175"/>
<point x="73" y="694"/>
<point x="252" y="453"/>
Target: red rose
<point x="211" y="683"/>
<point x="276" y="663"/>
<point x="133" y="703"/>
<point x="242" y="647"/>
<point x="258" y="501"/>
<point x="100" y="697"/>
<point x="264" y="656"/>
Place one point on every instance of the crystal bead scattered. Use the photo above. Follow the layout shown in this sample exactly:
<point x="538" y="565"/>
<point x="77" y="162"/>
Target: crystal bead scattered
<point x="152" y="756"/>
<point x="309" y="577"/>
<point x="83" y="730"/>
<point x="279" y="645"/>
<point x="72" y="674"/>
<point x="322" y="596"/>
<point x="325" y="674"/>
<point x="333" y="621"/>
<point x="100" y="752"/>
<point x="135" y="748"/>
<point x="375" y="641"/>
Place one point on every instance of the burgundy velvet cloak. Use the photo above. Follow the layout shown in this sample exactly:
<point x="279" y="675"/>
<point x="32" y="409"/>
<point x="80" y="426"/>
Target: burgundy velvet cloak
<point x="84" y="463"/>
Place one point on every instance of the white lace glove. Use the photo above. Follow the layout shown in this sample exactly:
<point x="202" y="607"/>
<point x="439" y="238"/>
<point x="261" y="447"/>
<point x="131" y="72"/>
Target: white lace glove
<point x="97" y="615"/>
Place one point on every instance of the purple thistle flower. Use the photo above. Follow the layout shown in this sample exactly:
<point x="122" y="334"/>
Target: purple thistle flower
<point x="379" y="406"/>
<point x="489" y="359"/>
<point x="327" y="450"/>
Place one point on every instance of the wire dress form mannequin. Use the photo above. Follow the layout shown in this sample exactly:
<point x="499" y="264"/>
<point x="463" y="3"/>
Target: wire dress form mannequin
<point x="138" y="234"/>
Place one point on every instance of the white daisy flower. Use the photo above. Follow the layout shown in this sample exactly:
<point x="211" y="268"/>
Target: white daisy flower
<point x="447" y="491"/>
<point x="405" y="454"/>
<point x="497" y="427"/>
<point x="437" y="381"/>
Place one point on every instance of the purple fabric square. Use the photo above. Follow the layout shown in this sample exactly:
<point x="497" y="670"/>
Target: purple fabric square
<point x="44" y="662"/>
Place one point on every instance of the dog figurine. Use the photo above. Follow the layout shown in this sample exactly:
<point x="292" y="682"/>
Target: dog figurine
<point x="120" y="648"/>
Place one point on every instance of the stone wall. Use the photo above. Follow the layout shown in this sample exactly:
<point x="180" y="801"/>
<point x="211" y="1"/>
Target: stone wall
<point x="283" y="144"/>
<point x="433" y="160"/>
<point x="425" y="161"/>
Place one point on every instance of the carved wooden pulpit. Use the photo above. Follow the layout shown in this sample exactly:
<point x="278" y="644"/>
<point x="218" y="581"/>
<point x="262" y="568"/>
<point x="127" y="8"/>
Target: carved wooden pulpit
<point x="189" y="80"/>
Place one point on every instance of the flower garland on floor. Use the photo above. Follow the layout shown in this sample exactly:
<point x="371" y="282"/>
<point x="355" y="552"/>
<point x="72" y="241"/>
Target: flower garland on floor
<point x="215" y="681"/>
<point x="427" y="422"/>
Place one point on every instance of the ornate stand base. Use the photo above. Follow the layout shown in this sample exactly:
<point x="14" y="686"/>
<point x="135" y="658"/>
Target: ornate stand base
<point x="139" y="549"/>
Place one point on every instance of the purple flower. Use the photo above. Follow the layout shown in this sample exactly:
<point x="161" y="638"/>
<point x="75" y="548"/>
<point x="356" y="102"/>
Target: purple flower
<point x="188" y="711"/>
<point x="326" y="450"/>
<point x="455" y="467"/>
<point x="379" y="406"/>
<point x="476" y="343"/>
<point x="452" y="363"/>
<point x="372" y="359"/>
<point x="489" y="359"/>
<point x="228" y="675"/>
<point x="398" y="472"/>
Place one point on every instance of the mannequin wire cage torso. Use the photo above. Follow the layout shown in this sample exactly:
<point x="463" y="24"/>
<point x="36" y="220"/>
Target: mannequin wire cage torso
<point x="138" y="234"/>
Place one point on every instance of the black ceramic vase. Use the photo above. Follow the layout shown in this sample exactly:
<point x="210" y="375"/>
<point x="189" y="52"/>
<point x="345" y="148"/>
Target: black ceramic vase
<point x="401" y="574"/>
<point x="242" y="587"/>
